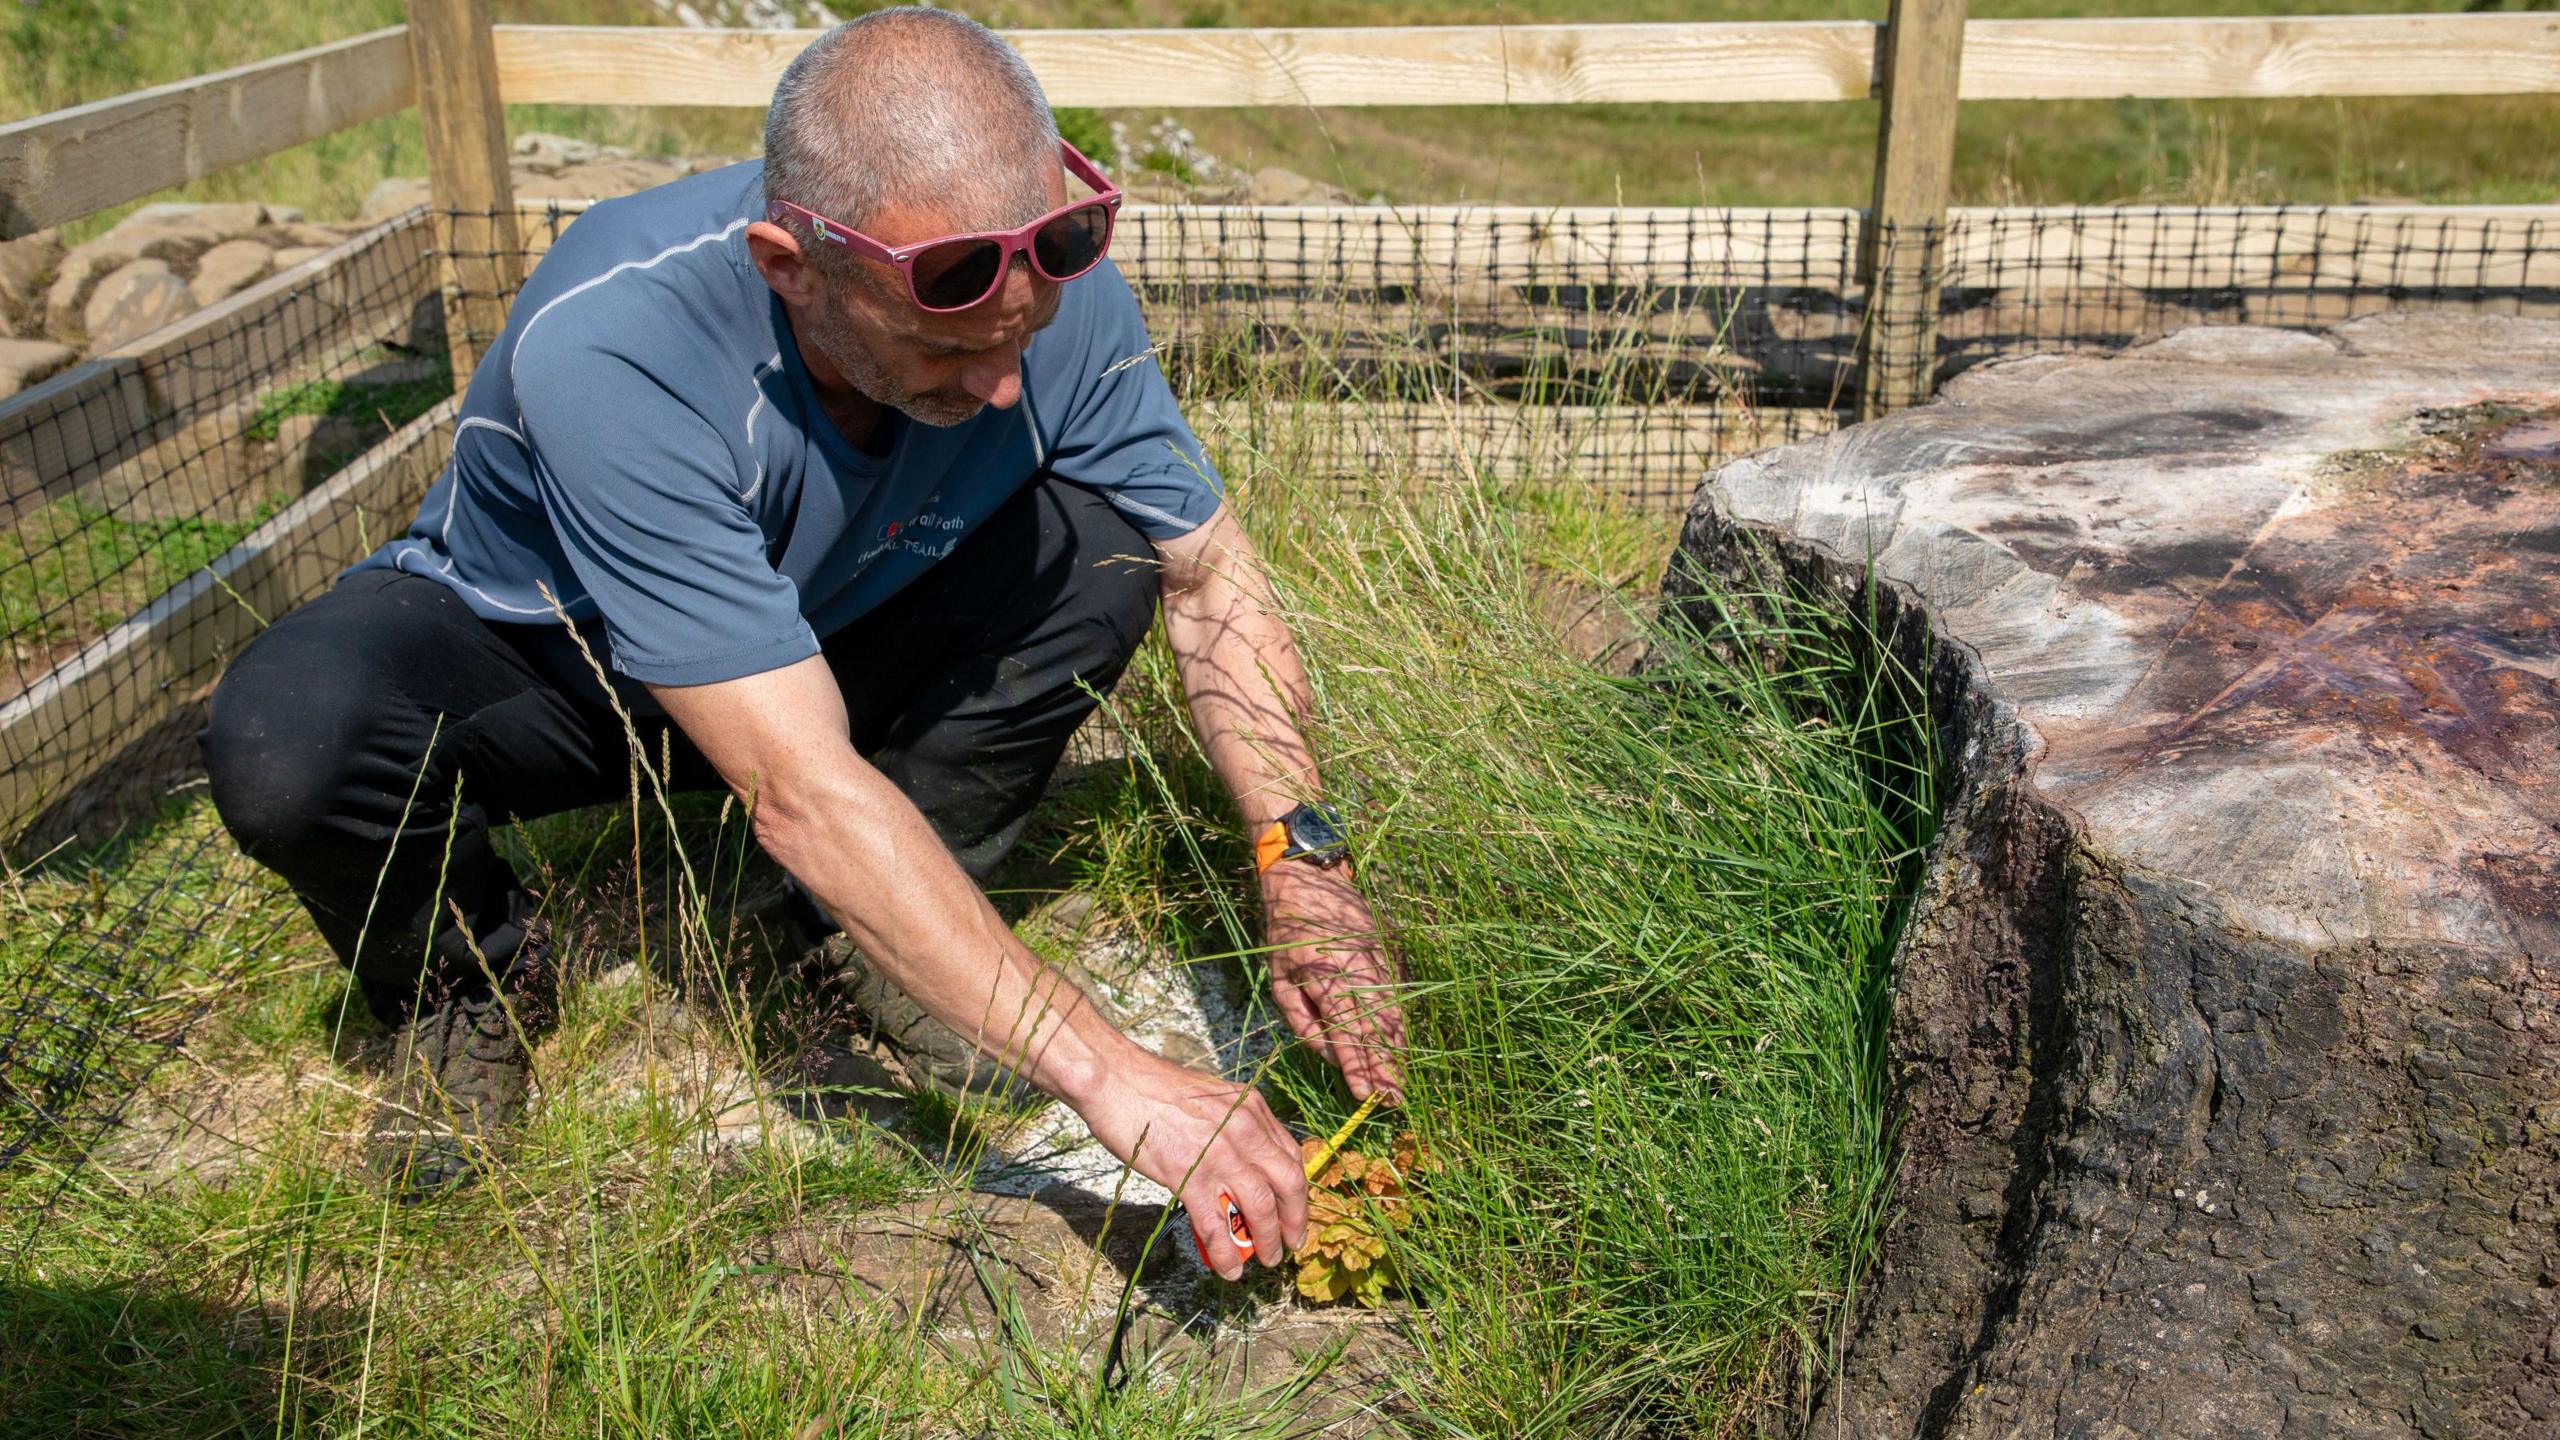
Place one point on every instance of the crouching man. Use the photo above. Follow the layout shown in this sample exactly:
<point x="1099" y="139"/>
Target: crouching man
<point x="854" y="468"/>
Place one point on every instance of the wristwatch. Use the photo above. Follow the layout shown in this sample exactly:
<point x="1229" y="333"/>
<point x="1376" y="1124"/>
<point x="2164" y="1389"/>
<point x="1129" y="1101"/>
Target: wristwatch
<point x="1312" y="833"/>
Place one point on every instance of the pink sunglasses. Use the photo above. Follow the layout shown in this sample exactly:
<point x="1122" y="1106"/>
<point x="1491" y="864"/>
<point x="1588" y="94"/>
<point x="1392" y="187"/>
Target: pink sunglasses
<point x="956" y="272"/>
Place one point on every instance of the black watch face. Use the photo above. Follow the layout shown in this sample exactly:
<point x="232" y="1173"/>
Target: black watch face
<point x="1314" y="833"/>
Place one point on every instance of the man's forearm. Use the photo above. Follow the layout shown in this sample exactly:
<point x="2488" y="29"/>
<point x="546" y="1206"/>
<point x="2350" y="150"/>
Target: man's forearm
<point x="877" y="866"/>
<point x="1330" y="975"/>
<point x="1246" y="686"/>
<point x="932" y="932"/>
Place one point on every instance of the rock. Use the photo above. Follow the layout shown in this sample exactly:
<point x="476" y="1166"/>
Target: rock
<point x="93" y="261"/>
<point x="215" y="221"/>
<point x="318" y="237"/>
<point x="540" y="150"/>
<point x="392" y="196"/>
<point x="601" y="180"/>
<point x="229" y="268"/>
<point x="24" y="262"/>
<point x="133" y="302"/>
<point x="27" y="362"/>
<point x="292" y="255"/>
<point x="1272" y="185"/>
<point x="176" y="244"/>
<point x="2227" y="1015"/>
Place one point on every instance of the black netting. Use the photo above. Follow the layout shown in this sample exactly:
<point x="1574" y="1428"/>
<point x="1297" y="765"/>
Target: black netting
<point x="91" y="1008"/>
<point x="2021" y="281"/>
<point x="1622" y="349"/>
<point x="161" y="507"/>
<point x="157" y="507"/>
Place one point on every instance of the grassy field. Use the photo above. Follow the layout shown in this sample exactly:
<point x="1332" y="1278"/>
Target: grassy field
<point x="2466" y="150"/>
<point x="1644" y="919"/>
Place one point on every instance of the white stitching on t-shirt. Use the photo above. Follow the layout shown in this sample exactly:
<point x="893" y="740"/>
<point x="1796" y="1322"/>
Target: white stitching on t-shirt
<point x="697" y="242"/>
<point x="757" y="381"/>
<point x="444" y="532"/>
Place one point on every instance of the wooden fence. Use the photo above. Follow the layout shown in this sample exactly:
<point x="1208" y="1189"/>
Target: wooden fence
<point x="1921" y="61"/>
<point x="459" y="69"/>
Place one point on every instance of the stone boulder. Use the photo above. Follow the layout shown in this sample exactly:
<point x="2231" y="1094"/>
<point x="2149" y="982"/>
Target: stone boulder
<point x="393" y="195"/>
<point x="133" y="302"/>
<point x="216" y="221"/>
<point x="24" y="264"/>
<point x="316" y="237"/>
<point x="600" y="179"/>
<point x="2225" y="1051"/>
<point x="24" y="363"/>
<point x="92" y="262"/>
<point x="229" y="268"/>
<point x="540" y="150"/>
<point x="1272" y="185"/>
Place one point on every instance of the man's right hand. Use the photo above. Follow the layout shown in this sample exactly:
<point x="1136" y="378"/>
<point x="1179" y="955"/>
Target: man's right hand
<point x="778" y="739"/>
<point x="1199" y="1136"/>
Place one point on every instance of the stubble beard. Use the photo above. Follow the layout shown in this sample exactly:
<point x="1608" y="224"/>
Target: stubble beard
<point x="834" y="338"/>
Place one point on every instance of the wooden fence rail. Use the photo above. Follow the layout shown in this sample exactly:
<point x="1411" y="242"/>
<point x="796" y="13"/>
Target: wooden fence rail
<point x="1927" y="57"/>
<point x="84" y="712"/>
<point x="1698" y="63"/>
<point x="72" y="162"/>
<point x="79" y="161"/>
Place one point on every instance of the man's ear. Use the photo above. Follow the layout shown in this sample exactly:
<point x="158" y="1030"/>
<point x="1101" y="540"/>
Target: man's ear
<point x="777" y="257"/>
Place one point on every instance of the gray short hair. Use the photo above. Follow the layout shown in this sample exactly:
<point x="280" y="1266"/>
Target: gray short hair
<point x="907" y="105"/>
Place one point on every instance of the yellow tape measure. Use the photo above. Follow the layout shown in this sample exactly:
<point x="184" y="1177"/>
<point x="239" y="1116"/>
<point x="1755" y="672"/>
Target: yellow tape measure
<point x="1333" y="1147"/>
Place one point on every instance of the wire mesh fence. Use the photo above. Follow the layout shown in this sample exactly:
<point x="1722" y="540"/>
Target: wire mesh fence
<point x="159" y="506"/>
<point x="2026" y="281"/>
<point x="95" y="1002"/>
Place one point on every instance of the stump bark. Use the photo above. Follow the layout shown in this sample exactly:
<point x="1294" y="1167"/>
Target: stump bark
<point x="2226" y="1044"/>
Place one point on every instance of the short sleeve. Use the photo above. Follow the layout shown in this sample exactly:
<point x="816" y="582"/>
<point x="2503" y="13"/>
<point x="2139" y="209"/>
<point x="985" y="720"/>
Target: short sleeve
<point x="644" y="496"/>
<point x="1105" y="416"/>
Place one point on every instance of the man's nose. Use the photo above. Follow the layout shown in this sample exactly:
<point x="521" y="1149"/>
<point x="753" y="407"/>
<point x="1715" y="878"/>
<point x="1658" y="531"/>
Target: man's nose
<point x="995" y="377"/>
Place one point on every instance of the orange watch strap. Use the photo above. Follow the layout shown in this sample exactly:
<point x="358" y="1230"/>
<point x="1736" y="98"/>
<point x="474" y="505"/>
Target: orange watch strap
<point x="1270" y="845"/>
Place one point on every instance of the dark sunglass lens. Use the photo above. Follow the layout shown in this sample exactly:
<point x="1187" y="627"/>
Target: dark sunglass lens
<point x="1071" y="244"/>
<point x="953" y="277"/>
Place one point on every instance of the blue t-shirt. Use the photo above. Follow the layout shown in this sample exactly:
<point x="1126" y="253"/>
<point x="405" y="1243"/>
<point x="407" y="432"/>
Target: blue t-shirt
<point x="644" y="442"/>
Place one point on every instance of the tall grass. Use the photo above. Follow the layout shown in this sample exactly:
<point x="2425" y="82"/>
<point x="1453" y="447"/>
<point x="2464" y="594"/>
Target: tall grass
<point x="1645" y="919"/>
<point x="1644" y="915"/>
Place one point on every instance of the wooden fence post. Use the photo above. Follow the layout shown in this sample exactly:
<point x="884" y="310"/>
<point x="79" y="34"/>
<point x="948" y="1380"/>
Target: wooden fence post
<point x="466" y="135"/>
<point x="1898" y="252"/>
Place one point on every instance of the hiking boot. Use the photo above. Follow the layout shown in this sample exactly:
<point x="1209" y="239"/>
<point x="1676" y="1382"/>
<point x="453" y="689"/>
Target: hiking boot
<point x="932" y="1055"/>
<point x="459" y="1074"/>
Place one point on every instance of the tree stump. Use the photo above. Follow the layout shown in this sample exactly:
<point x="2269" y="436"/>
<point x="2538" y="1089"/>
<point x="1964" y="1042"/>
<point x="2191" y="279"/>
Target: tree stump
<point x="2226" y="1043"/>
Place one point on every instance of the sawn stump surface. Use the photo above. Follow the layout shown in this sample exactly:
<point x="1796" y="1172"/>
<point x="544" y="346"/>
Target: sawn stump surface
<point x="2226" y="1040"/>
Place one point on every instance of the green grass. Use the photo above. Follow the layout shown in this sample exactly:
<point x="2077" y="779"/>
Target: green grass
<point x="389" y="405"/>
<point x="1644" y="920"/>
<point x="2427" y="149"/>
<point x="70" y="569"/>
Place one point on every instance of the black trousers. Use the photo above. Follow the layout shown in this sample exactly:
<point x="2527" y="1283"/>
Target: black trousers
<point x="364" y="746"/>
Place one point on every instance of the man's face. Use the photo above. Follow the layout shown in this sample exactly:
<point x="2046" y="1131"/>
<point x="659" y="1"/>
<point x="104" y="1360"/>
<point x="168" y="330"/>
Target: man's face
<point x="937" y="369"/>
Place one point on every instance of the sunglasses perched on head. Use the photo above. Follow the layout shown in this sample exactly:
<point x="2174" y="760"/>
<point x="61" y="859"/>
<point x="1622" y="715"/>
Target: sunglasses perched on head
<point x="958" y="271"/>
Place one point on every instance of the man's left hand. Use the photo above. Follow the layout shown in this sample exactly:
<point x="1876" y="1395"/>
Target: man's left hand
<point x="1330" y="974"/>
